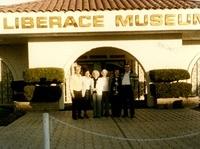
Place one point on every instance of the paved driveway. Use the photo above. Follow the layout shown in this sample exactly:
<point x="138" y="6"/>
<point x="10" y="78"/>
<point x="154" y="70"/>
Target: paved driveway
<point x="151" y="129"/>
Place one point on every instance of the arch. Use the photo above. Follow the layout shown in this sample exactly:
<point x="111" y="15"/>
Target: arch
<point x="101" y="54"/>
<point x="119" y="49"/>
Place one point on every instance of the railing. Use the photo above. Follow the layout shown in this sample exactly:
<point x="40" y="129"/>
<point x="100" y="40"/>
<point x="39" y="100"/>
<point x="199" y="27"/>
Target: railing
<point x="5" y="84"/>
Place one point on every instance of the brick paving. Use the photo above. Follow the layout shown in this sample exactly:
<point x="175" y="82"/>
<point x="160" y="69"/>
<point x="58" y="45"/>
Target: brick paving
<point x="151" y="129"/>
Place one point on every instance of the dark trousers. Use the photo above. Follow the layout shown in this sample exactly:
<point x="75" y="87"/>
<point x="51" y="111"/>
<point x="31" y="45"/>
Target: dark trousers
<point x="116" y="105"/>
<point x="105" y="103"/>
<point x="87" y="100"/>
<point x="128" y="101"/>
<point x="97" y="105"/>
<point x="76" y="104"/>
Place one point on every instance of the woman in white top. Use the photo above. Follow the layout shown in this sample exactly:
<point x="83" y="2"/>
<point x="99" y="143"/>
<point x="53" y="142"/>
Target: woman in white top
<point x="105" y="93"/>
<point x="86" y="92"/>
<point x="96" y="94"/>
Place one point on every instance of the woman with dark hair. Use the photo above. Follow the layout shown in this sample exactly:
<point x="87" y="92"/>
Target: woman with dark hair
<point x="86" y="92"/>
<point x="115" y="92"/>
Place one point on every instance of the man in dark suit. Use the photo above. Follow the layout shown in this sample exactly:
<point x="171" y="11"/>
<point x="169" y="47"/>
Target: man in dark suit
<point x="129" y="84"/>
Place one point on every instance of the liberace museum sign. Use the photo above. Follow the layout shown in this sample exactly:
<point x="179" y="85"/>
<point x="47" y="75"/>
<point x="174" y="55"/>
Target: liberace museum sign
<point x="99" y="21"/>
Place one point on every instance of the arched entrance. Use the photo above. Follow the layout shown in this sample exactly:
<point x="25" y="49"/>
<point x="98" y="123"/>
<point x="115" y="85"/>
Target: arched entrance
<point x="109" y="58"/>
<point x="6" y="78"/>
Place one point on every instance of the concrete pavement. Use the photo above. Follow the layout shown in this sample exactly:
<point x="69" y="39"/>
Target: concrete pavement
<point x="150" y="129"/>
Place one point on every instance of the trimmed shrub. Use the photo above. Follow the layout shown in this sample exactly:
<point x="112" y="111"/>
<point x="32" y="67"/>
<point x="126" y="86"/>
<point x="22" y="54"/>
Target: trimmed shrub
<point x="5" y="111"/>
<point x="181" y="89"/>
<point x="43" y="77"/>
<point x="170" y="90"/>
<point x="18" y="86"/>
<point x="46" y="94"/>
<point x="35" y="74"/>
<point x="18" y="90"/>
<point x="168" y="75"/>
<point x="164" y="86"/>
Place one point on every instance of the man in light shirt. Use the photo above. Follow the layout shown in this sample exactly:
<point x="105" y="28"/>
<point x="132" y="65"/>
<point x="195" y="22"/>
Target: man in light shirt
<point x="129" y="83"/>
<point x="76" y="92"/>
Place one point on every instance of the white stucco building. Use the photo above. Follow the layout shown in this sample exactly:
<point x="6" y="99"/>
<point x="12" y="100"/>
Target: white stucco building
<point x="101" y="34"/>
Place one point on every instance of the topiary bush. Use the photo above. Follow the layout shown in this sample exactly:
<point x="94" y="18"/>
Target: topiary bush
<point x="165" y="83"/>
<point x="170" y="90"/>
<point x="50" y="73"/>
<point x="9" y="115"/>
<point x="39" y="84"/>
<point x="181" y="89"/>
<point x="168" y="75"/>
<point x="18" y="90"/>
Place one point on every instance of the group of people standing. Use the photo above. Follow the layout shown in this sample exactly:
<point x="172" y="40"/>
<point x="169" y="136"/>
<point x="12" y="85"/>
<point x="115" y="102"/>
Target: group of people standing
<point x="102" y="92"/>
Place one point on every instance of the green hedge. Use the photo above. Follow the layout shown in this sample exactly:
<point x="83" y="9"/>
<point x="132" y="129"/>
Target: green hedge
<point x="50" y="73"/>
<point x="168" y="75"/>
<point x="164" y="85"/>
<point x="170" y="90"/>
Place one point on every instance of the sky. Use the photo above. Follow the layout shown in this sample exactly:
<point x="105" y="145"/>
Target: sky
<point x="10" y="2"/>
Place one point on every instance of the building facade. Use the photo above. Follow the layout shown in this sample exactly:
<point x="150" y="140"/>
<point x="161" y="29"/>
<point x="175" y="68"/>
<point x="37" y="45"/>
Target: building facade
<point x="101" y="34"/>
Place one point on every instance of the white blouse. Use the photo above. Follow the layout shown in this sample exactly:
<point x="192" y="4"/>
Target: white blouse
<point x="87" y="84"/>
<point x="99" y="86"/>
